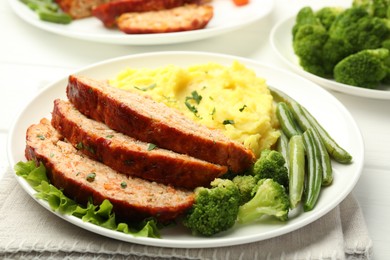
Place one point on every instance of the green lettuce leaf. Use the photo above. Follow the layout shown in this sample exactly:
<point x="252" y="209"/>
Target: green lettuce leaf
<point x="101" y="215"/>
<point x="32" y="173"/>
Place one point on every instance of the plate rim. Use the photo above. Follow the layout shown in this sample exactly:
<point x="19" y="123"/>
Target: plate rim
<point x="142" y="39"/>
<point x="204" y="242"/>
<point x="326" y="83"/>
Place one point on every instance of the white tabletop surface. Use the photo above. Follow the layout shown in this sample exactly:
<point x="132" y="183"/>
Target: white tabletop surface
<point x="31" y="58"/>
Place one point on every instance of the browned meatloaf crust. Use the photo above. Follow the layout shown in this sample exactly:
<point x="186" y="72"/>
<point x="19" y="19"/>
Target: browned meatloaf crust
<point x="183" y="18"/>
<point x="152" y="122"/>
<point x="133" y="198"/>
<point x="109" y="12"/>
<point x="80" y="8"/>
<point x="128" y="155"/>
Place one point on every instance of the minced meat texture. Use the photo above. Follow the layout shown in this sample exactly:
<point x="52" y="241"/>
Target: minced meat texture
<point x="146" y="120"/>
<point x="128" y="155"/>
<point x="82" y="178"/>
<point x="183" y="18"/>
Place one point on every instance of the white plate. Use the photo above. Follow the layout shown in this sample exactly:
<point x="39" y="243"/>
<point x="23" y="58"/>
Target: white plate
<point x="281" y="41"/>
<point x="327" y="109"/>
<point x="227" y="17"/>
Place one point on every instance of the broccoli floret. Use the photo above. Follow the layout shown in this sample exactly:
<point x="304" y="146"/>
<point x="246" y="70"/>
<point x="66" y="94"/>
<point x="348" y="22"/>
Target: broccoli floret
<point x="320" y="47"/>
<point x="378" y="8"/>
<point x="270" y="199"/>
<point x="386" y="45"/>
<point x="366" y="68"/>
<point x="358" y="29"/>
<point x="215" y="209"/>
<point x="271" y="164"/>
<point x="245" y="184"/>
<point x="307" y="44"/>
<point x="333" y="51"/>
<point x="327" y="15"/>
<point x="310" y="37"/>
<point x="305" y="16"/>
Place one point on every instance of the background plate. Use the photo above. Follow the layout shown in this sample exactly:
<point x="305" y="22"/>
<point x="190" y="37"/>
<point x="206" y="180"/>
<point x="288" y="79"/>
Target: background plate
<point x="281" y="41"/>
<point x="227" y="17"/>
<point x="326" y="108"/>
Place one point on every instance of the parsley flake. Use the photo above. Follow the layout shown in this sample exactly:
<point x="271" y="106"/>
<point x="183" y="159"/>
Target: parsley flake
<point x="213" y="112"/>
<point x="79" y="146"/>
<point x="195" y="97"/>
<point x="151" y="86"/>
<point x="41" y="137"/>
<point x="228" y="122"/>
<point x="242" y="108"/>
<point x="91" y="177"/>
<point x="151" y="146"/>
<point x="191" y="107"/>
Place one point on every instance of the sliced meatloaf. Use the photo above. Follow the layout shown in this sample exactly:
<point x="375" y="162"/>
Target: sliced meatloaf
<point x="152" y="122"/>
<point x="182" y="18"/>
<point x="128" y="155"/>
<point x="80" y="8"/>
<point x="110" y="11"/>
<point x="82" y="178"/>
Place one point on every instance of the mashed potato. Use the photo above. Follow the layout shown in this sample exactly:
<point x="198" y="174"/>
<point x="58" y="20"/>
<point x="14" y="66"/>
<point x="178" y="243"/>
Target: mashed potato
<point x="232" y="99"/>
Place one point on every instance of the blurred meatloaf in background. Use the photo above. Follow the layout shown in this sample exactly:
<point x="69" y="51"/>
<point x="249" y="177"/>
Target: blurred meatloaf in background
<point x="80" y="8"/>
<point x="109" y="11"/>
<point x="143" y="16"/>
<point x="183" y="18"/>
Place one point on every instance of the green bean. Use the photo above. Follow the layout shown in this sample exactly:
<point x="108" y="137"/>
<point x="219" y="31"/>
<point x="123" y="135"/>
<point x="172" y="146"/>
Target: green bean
<point x="282" y="146"/>
<point x="314" y="171"/>
<point x="334" y="149"/>
<point x="286" y="120"/>
<point x="306" y="120"/>
<point x="326" y="165"/>
<point x="302" y="121"/>
<point x="296" y="169"/>
<point x="54" y="17"/>
<point x="38" y="4"/>
<point x="295" y="108"/>
<point x="48" y="10"/>
<point x="279" y="96"/>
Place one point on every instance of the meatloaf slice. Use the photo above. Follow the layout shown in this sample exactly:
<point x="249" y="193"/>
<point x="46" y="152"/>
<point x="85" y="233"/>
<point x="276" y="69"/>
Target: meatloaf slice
<point x="110" y="11"/>
<point x="182" y="18"/>
<point x="82" y="178"/>
<point x="128" y="155"/>
<point x="80" y="8"/>
<point x="152" y="122"/>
